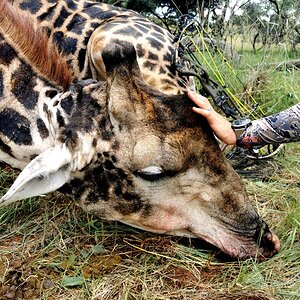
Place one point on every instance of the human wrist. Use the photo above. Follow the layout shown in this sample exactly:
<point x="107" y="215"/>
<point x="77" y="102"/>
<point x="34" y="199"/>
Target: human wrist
<point x="212" y="117"/>
<point x="222" y="128"/>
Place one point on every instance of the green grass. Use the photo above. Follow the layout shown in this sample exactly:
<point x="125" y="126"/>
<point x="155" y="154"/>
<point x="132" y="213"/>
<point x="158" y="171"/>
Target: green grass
<point x="51" y="249"/>
<point x="251" y="78"/>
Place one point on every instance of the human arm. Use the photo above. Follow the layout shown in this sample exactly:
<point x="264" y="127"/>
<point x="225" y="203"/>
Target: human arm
<point x="283" y="127"/>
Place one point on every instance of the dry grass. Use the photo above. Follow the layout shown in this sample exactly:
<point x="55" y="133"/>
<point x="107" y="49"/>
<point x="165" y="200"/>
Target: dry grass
<point x="50" y="249"/>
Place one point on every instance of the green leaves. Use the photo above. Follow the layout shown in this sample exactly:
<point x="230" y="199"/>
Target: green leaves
<point x="72" y="281"/>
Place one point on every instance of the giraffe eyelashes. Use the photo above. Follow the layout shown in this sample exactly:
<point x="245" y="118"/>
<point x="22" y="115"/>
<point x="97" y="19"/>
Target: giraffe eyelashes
<point x="154" y="173"/>
<point x="151" y="173"/>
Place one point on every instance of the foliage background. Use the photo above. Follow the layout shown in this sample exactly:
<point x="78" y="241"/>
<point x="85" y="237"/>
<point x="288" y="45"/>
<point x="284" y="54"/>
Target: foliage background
<point x="269" y="22"/>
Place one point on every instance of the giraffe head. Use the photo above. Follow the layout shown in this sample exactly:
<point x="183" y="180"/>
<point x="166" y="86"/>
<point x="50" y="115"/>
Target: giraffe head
<point x="127" y="152"/>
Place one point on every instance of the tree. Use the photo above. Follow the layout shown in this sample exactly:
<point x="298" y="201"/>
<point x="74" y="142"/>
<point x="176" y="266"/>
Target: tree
<point x="270" y="22"/>
<point x="265" y="22"/>
<point x="166" y="11"/>
<point x="285" y="15"/>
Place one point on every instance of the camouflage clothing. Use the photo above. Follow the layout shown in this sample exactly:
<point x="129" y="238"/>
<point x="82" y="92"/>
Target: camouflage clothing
<point x="283" y="127"/>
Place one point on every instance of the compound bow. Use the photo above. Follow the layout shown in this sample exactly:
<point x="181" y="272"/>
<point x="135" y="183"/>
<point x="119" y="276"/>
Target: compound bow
<point x="188" y="28"/>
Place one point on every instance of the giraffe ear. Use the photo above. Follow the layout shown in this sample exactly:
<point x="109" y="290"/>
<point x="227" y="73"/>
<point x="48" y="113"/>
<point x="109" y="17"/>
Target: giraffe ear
<point x="120" y="58"/>
<point x="45" y="173"/>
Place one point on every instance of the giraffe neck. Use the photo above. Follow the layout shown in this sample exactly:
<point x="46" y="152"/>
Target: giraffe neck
<point x="34" y="115"/>
<point x="33" y="112"/>
<point x="27" y="126"/>
<point x="70" y="24"/>
<point x="83" y="28"/>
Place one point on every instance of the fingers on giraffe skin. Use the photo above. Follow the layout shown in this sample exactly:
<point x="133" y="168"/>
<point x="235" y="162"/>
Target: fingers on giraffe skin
<point x="201" y="111"/>
<point x="198" y="99"/>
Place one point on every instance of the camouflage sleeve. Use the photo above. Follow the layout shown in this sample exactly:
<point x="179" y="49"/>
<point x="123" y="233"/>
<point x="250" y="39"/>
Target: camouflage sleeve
<point x="283" y="127"/>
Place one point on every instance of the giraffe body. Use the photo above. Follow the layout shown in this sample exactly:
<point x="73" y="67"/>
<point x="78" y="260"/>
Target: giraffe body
<point x="122" y="149"/>
<point x="82" y="29"/>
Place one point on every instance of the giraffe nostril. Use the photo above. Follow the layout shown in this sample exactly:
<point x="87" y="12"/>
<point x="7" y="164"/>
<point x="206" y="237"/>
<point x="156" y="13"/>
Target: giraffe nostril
<point x="270" y="241"/>
<point x="267" y="241"/>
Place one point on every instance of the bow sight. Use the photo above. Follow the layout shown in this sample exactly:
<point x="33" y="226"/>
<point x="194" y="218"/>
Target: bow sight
<point x="188" y="64"/>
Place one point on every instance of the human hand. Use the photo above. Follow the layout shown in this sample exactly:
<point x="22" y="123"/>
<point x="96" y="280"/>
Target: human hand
<point x="220" y="126"/>
<point x="203" y="107"/>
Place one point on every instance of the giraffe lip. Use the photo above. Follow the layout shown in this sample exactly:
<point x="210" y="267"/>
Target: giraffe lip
<point x="244" y="246"/>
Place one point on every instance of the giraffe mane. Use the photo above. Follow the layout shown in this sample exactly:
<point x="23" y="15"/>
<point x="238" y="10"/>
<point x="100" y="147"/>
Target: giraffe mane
<point x="33" y="45"/>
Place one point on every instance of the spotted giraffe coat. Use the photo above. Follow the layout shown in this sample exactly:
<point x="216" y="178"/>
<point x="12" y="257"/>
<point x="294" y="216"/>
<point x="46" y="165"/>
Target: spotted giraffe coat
<point x="83" y="28"/>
